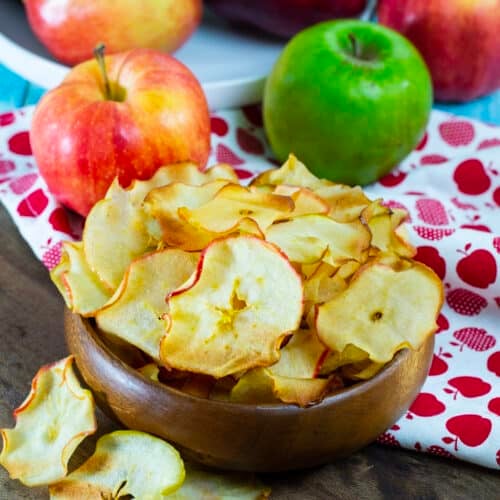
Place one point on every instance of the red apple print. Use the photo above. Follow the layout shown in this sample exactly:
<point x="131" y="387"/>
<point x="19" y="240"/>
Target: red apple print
<point x="498" y="457"/>
<point x="225" y="155"/>
<point x="443" y="323"/>
<point x="253" y="114"/>
<point x="489" y="143"/>
<point x="432" y="233"/>
<point x="6" y="166"/>
<point x="471" y="178"/>
<point x="433" y="159"/>
<point x="478" y="268"/>
<point x="469" y="387"/>
<point x="219" y="126"/>
<point x="432" y="212"/>
<point x="430" y="257"/>
<point x="472" y="430"/>
<point x="476" y="227"/>
<point x="494" y="406"/>
<point x="389" y="440"/>
<point x="496" y="196"/>
<point x="20" y="144"/>
<point x="496" y="243"/>
<point x="58" y="219"/>
<point x="33" y="205"/>
<point x="7" y="119"/>
<point x="423" y="142"/>
<point x="427" y="405"/>
<point x="248" y="142"/>
<point x="392" y="179"/>
<point x="457" y="132"/>
<point x="493" y="363"/>
<point x="23" y="184"/>
<point x="439" y="451"/>
<point x="474" y="338"/>
<point x="438" y="366"/>
<point x="463" y="206"/>
<point x="52" y="256"/>
<point x="465" y="302"/>
<point x="243" y="174"/>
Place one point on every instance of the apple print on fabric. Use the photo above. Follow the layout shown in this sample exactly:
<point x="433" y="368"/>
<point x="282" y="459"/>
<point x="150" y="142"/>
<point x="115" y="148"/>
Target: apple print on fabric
<point x="450" y="187"/>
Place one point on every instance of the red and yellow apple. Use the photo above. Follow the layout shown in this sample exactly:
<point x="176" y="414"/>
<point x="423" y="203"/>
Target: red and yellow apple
<point x="71" y="29"/>
<point x="153" y="112"/>
<point x="458" y="39"/>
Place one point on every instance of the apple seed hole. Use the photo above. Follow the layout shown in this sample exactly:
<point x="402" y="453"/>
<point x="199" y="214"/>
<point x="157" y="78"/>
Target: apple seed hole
<point x="377" y="315"/>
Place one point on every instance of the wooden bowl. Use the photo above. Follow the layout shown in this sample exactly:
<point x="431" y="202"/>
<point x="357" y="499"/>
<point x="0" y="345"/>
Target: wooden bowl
<point x="248" y="437"/>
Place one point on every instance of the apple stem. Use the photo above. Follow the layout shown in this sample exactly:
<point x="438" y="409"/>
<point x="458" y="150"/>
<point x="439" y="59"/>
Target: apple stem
<point x="99" y="55"/>
<point x="354" y="45"/>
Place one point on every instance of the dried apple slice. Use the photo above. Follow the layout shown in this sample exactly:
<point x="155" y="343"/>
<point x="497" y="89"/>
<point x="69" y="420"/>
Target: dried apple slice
<point x="124" y="463"/>
<point x="293" y="173"/>
<point x="382" y="310"/>
<point x="150" y="371"/>
<point x="351" y="354"/>
<point x="233" y="203"/>
<point x="309" y="238"/>
<point x="84" y="292"/>
<point x="136" y="311"/>
<point x="363" y="370"/>
<point x="231" y="315"/>
<point x="210" y="485"/>
<point x="305" y="201"/>
<point x="55" y="417"/>
<point x="345" y="202"/>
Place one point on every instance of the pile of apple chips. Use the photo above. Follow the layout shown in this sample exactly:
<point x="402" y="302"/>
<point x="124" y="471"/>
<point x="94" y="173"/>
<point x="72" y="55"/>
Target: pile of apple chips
<point x="280" y="291"/>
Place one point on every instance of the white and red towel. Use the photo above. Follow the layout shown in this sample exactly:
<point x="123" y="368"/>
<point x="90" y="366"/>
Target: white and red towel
<point x="450" y="186"/>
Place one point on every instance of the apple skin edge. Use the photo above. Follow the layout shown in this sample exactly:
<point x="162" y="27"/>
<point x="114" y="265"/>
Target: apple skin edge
<point x="350" y="118"/>
<point x="459" y="41"/>
<point x="81" y="141"/>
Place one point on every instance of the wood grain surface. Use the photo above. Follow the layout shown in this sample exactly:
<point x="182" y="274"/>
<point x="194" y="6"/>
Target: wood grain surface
<point x="31" y="334"/>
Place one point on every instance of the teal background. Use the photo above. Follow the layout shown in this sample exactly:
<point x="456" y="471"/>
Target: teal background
<point x="16" y="92"/>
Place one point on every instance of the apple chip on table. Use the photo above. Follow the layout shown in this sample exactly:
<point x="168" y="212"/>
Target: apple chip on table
<point x="285" y="290"/>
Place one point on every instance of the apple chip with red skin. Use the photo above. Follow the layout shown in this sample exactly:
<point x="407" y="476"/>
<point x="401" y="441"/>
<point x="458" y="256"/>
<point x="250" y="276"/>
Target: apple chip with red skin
<point x="136" y="311"/>
<point x="230" y="316"/>
<point x="384" y="309"/>
<point x="124" y="463"/>
<point x="55" y="417"/>
<point x="81" y="288"/>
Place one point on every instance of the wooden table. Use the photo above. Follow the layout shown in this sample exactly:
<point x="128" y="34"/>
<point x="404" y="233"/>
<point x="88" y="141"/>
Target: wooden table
<point x="31" y="334"/>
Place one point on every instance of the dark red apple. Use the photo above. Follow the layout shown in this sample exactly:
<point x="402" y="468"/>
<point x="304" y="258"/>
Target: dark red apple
<point x="458" y="39"/>
<point x="478" y="269"/>
<point x="285" y="17"/>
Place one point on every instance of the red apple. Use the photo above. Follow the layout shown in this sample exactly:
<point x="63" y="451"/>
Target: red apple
<point x="285" y="17"/>
<point x="478" y="268"/>
<point x="458" y="39"/>
<point x="71" y="29"/>
<point x="82" y="135"/>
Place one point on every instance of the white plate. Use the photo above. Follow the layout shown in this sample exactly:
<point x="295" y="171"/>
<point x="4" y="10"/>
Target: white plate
<point x="231" y="65"/>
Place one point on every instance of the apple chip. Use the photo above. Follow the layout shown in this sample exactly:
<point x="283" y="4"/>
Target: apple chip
<point x="83" y="291"/>
<point x="345" y="202"/>
<point x="150" y="371"/>
<point x="136" y="311"/>
<point x="124" y="463"/>
<point x="293" y="173"/>
<point x="55" y="417"/>
<point x="305" y="201"/>
<point x="310" y="238"/>
<point x="231" y="315"/>
<point x="363" y="370"/>
<point x="233" y="203"/>
<point x="351" y="354"/>
<point x="210" y="485"/>
<point x="382" y="310"/>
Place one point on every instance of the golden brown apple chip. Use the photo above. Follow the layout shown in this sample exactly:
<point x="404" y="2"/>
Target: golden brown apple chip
<point x="305" y="201"/>
<point x="124" y="463"/>
<point x="55" y="417"/>
<point x="231" y="316"/>
<point x="345" y="203"/>
<point x="351" y="354"/>
<point x="382" y="310"/>
<point x="137" y="310"/>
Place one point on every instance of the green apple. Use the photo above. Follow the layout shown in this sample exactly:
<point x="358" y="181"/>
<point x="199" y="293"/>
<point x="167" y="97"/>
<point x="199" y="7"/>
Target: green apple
<point x="349" y="98"/>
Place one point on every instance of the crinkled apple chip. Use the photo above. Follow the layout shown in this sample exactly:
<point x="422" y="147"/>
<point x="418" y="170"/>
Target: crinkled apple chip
<point x="124" y="463"/>
<point x="136" y="311"/>
<point x="305" y="201"/>
<point x="293" y="173"/>
<point x="231" y="315"/>
<point x="81" y="288"/>
<point x="53" y="420"/>
<point x="232" y="204"/>
<point x="382" y="310"/>
<point x="163" y="205"/>
<point x="210" y="485"/>
<point x="345" y="202"/>
<point x="310" y="238"/>
<point x="351" y="354"/>
<point x="362" y="370"/>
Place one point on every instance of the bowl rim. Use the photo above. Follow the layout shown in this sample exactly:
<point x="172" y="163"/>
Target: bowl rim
<point x="357" y="389"/>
